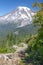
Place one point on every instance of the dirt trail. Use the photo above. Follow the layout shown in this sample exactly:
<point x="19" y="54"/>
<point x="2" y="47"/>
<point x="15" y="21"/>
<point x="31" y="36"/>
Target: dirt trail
<point x="12" y="58"/>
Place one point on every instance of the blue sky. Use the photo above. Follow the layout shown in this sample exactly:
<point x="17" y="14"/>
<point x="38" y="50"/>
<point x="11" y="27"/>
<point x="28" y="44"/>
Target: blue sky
<point x="9" y="5"/>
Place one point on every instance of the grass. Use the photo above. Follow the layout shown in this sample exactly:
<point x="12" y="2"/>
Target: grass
<point x="5" y="50"/>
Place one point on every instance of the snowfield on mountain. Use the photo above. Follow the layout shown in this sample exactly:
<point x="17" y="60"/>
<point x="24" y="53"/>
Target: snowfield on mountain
<point x="21" y="16"/>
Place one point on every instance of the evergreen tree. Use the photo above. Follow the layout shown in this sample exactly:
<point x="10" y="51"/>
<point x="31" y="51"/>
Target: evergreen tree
<point x="36" y="44"/>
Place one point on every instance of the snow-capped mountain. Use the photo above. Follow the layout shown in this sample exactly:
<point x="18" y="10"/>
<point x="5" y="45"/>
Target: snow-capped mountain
<point x="21" y="16"/>
<point x="19" y="22"/>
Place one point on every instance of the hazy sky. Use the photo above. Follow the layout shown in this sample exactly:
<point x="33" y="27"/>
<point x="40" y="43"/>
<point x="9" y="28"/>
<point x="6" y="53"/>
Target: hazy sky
<point x="9" y="5"/>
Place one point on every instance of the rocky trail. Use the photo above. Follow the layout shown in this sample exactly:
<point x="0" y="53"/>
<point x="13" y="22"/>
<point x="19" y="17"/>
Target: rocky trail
<point x="13" y="58"/>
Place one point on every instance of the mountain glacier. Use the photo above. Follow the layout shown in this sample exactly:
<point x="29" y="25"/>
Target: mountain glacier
<point x="21" y="16"/>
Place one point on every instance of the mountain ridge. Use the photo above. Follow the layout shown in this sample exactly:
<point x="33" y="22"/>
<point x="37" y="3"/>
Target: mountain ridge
<point x="21" y="16"/>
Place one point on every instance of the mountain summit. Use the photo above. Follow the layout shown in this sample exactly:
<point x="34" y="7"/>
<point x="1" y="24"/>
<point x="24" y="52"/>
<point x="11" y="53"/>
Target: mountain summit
<point x="21" y="16"/>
